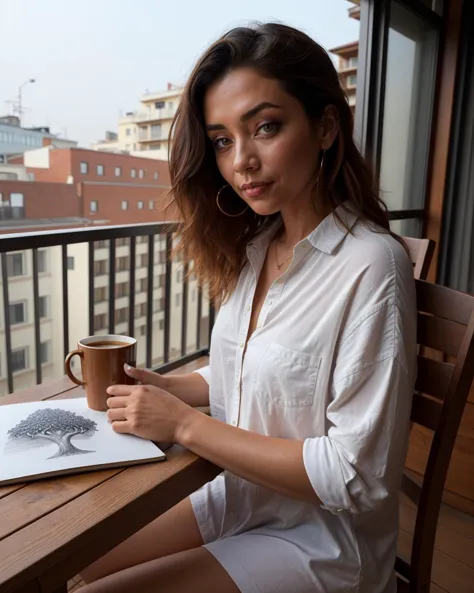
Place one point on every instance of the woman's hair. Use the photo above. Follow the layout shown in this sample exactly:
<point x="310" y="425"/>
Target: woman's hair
<point x="217" y="243"/>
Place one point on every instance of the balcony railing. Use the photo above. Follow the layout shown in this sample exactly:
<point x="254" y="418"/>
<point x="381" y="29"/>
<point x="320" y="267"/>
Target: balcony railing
<point x="155" y="114"/>
<point x="91" y="283"/>
<point x="12" y="212"/>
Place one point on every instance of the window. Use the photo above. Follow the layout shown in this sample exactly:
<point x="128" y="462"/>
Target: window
<point x="15" y="265"/>
<point x="100" y="294"/>
<point x="102" y="244"/>
<point x="162" y="257"/>
<point x="118" y="171"/>
<point x="159" y="105"/>
<point x="140" y="310"/>
<point x="352" y="62"/>
<point x="94" y="206"/>
<point x="161" y="324"/>
<point x="84" y="168"/>
<point x="19" y="359"/>
<point x="123" y="264"/>
<point x="193" y="295"/>
<point x="179" y="275"/>
<point x="45" y="352"/>
<point x="151" y="204"/>
<point x="133" y="173"/>
<point x="408" y="104"/>
<point x="100" y="267"/>
<point x="155" y="175"/>
<point x="142" y="285"/>
<point x="128" y="131"/>
<point x="42" y="261"/>
<point x="162" y="280"/>
<point x="143" y="330"/>
<point x="141" y="205"/>
<point x="122" y="242"/>
<point x="352" y="80"/>
<point x="156" y="131"/>
<point x="121" y="290"/>
<point x="44" y="306"/>
<point x="144" y="260"/>
<point x="70" y="262"/>
<point x="100" y="170"/>
<point x="177" y="300"/>
<point x="121" y="315"/>
<point x="17" y="313"/>
<point x="124" y="205"/>
<point x="170" y="104"/>
<point x="100" y="322"/>
<point x="141" y="173"/>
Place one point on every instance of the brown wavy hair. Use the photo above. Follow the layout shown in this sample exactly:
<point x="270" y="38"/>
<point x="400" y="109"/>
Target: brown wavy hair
<point x="214" y="242"/>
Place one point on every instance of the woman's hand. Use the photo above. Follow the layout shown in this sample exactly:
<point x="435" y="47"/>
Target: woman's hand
<point x="147" y="411"/>
<point x="147" y="377"/>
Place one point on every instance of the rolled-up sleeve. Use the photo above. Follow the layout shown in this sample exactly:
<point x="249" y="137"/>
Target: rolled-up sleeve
<point x="358" y="464"/>
<point x="205" y="373"/>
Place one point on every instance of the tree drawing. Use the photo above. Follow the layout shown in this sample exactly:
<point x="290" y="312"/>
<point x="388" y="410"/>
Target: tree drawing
<point x="58" y="426"/>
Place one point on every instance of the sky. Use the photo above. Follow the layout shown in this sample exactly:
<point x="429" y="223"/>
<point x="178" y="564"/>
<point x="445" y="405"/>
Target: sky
<point x="93" y="59"/>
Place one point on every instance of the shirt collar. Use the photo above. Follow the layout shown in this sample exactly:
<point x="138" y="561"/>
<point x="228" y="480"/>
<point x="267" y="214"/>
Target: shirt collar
<point x="326" y="237"/>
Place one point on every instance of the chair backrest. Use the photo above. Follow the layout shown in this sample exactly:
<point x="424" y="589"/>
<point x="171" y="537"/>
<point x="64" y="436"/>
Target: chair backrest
<point x="421" y="253"/>
<point x="445" y="324"/>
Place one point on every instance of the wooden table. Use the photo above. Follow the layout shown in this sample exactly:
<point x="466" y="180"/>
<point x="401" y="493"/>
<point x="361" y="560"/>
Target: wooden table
<point x="51" y="529"/>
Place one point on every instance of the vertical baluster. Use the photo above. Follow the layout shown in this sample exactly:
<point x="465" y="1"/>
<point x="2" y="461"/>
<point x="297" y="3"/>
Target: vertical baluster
<point x="34" y="254"/>
<point x="6" y="313"/>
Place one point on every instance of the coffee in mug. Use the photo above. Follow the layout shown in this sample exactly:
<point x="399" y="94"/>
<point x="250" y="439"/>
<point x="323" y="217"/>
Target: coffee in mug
<point x="102" y="362"/>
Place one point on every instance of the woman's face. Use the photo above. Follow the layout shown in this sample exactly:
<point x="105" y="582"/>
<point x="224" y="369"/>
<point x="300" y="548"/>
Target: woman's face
<point x="266" y="147"/>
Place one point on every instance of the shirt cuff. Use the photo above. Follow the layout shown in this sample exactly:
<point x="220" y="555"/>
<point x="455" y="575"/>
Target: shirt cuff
<point x="205" y="373"/>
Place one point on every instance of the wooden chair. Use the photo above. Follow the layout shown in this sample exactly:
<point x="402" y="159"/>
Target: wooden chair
<point x="445" y="324"/>
<point x="421" y="253"/>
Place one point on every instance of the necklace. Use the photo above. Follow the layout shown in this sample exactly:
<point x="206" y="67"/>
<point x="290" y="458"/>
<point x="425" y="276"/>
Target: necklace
<point x="279" y="266"/>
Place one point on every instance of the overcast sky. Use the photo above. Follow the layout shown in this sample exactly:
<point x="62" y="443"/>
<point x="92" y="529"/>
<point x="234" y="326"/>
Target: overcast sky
<point x="92" y="59"/>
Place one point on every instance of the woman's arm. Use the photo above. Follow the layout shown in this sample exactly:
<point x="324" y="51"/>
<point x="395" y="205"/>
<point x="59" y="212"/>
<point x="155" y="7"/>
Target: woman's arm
<point x="274" y="463"/>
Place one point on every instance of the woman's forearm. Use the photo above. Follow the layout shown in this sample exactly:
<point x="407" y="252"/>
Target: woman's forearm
<point x="274" y="463"/>
<point x="190" y="388"/>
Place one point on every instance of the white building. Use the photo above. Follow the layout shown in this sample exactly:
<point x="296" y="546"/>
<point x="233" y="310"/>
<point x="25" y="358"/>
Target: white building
<point x="145" y="132"/>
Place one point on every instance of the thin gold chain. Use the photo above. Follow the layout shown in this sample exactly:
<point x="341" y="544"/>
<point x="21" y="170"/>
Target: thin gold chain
<point x="279" y="266"/>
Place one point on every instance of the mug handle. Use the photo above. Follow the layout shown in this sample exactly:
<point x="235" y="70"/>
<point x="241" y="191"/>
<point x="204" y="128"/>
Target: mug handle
<point x="67" y="366"/>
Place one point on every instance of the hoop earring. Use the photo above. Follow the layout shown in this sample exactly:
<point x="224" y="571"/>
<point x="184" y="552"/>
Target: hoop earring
<point x="320" y="168"/>
<point x="223" y="211"/>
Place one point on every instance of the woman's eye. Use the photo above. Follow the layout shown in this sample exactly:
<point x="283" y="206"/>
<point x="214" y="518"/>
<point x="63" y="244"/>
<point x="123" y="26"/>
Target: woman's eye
<point x="220" y="143"/>
<point x="268" y="128"/>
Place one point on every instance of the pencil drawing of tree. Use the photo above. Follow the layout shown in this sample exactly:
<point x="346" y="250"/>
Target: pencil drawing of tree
<point x="58" y="426"/>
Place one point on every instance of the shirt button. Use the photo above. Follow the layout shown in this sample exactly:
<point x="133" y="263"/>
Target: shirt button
<point x="234" y="422"/>
<point x="248" y="307"/>
<point x="340" y="510"/>
<point x="241" y="344"/>
<point x="259" y="325"/>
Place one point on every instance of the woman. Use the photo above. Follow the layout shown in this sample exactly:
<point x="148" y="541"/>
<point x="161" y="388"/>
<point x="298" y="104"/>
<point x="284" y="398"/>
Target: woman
<point x="313" y="351"/>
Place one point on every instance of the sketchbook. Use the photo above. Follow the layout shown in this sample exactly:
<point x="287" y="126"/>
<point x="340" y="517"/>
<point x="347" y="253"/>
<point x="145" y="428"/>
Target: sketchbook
<point x="49" y="438"/>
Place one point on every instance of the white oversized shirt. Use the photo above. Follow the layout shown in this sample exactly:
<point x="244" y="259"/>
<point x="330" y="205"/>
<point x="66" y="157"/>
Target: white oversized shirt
<point x="331" y="363"/>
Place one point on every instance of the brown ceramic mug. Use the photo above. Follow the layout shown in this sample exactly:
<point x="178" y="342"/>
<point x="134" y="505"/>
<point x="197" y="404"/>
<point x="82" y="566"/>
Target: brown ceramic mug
<point x="102" y="362"/>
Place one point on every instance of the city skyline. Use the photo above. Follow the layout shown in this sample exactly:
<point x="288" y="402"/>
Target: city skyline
<point x="92" y="65"/>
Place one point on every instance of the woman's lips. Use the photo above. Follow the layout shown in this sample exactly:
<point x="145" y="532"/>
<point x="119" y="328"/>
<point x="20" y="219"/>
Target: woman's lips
<point x="252" y="191"/>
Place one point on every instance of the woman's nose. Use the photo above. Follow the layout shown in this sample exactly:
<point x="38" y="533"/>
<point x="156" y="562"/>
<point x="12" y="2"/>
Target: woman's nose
<point x="245" y="158"/>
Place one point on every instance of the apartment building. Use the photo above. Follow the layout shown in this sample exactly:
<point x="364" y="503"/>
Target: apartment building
<point x="348" y="55"/>
<point x="145" y="132"/>
<point x="86" y="188"/>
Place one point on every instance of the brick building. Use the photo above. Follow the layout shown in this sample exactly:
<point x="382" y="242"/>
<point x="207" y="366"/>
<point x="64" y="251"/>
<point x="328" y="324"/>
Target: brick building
<point x="88" y="185"/>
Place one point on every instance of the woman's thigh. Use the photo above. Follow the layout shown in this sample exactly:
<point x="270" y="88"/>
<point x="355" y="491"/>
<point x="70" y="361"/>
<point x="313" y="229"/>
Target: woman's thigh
<point x="190" y="571"/>
<point x="174" y="531"/>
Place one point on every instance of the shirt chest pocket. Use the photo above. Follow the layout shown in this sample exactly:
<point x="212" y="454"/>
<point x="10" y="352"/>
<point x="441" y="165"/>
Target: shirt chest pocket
<point x="287" y="377"/>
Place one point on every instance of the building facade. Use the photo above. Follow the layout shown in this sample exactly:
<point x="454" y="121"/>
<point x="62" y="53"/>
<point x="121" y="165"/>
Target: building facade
<point x="146" y="130"/>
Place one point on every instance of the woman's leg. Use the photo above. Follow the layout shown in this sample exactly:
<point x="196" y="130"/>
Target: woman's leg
<point x="174" y="531"/>
<point x="191" y="571"/>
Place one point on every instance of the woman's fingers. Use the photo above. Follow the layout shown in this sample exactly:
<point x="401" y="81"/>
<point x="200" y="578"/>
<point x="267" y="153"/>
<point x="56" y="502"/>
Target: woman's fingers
<point x="114" y="414"/>
<point x="120" y="390"/>
<point x="117" y="401"/>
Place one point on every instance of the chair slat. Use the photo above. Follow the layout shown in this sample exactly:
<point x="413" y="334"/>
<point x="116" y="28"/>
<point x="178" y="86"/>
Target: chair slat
<point x="444" y="302"/>
<point x="402" y="586"/>
<point x="410" y="488"/>
<point x="402" y="567"/>
<point x="433" y="377"/>
<point x="441" y="334"/>
<point x="425" y="411"/>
